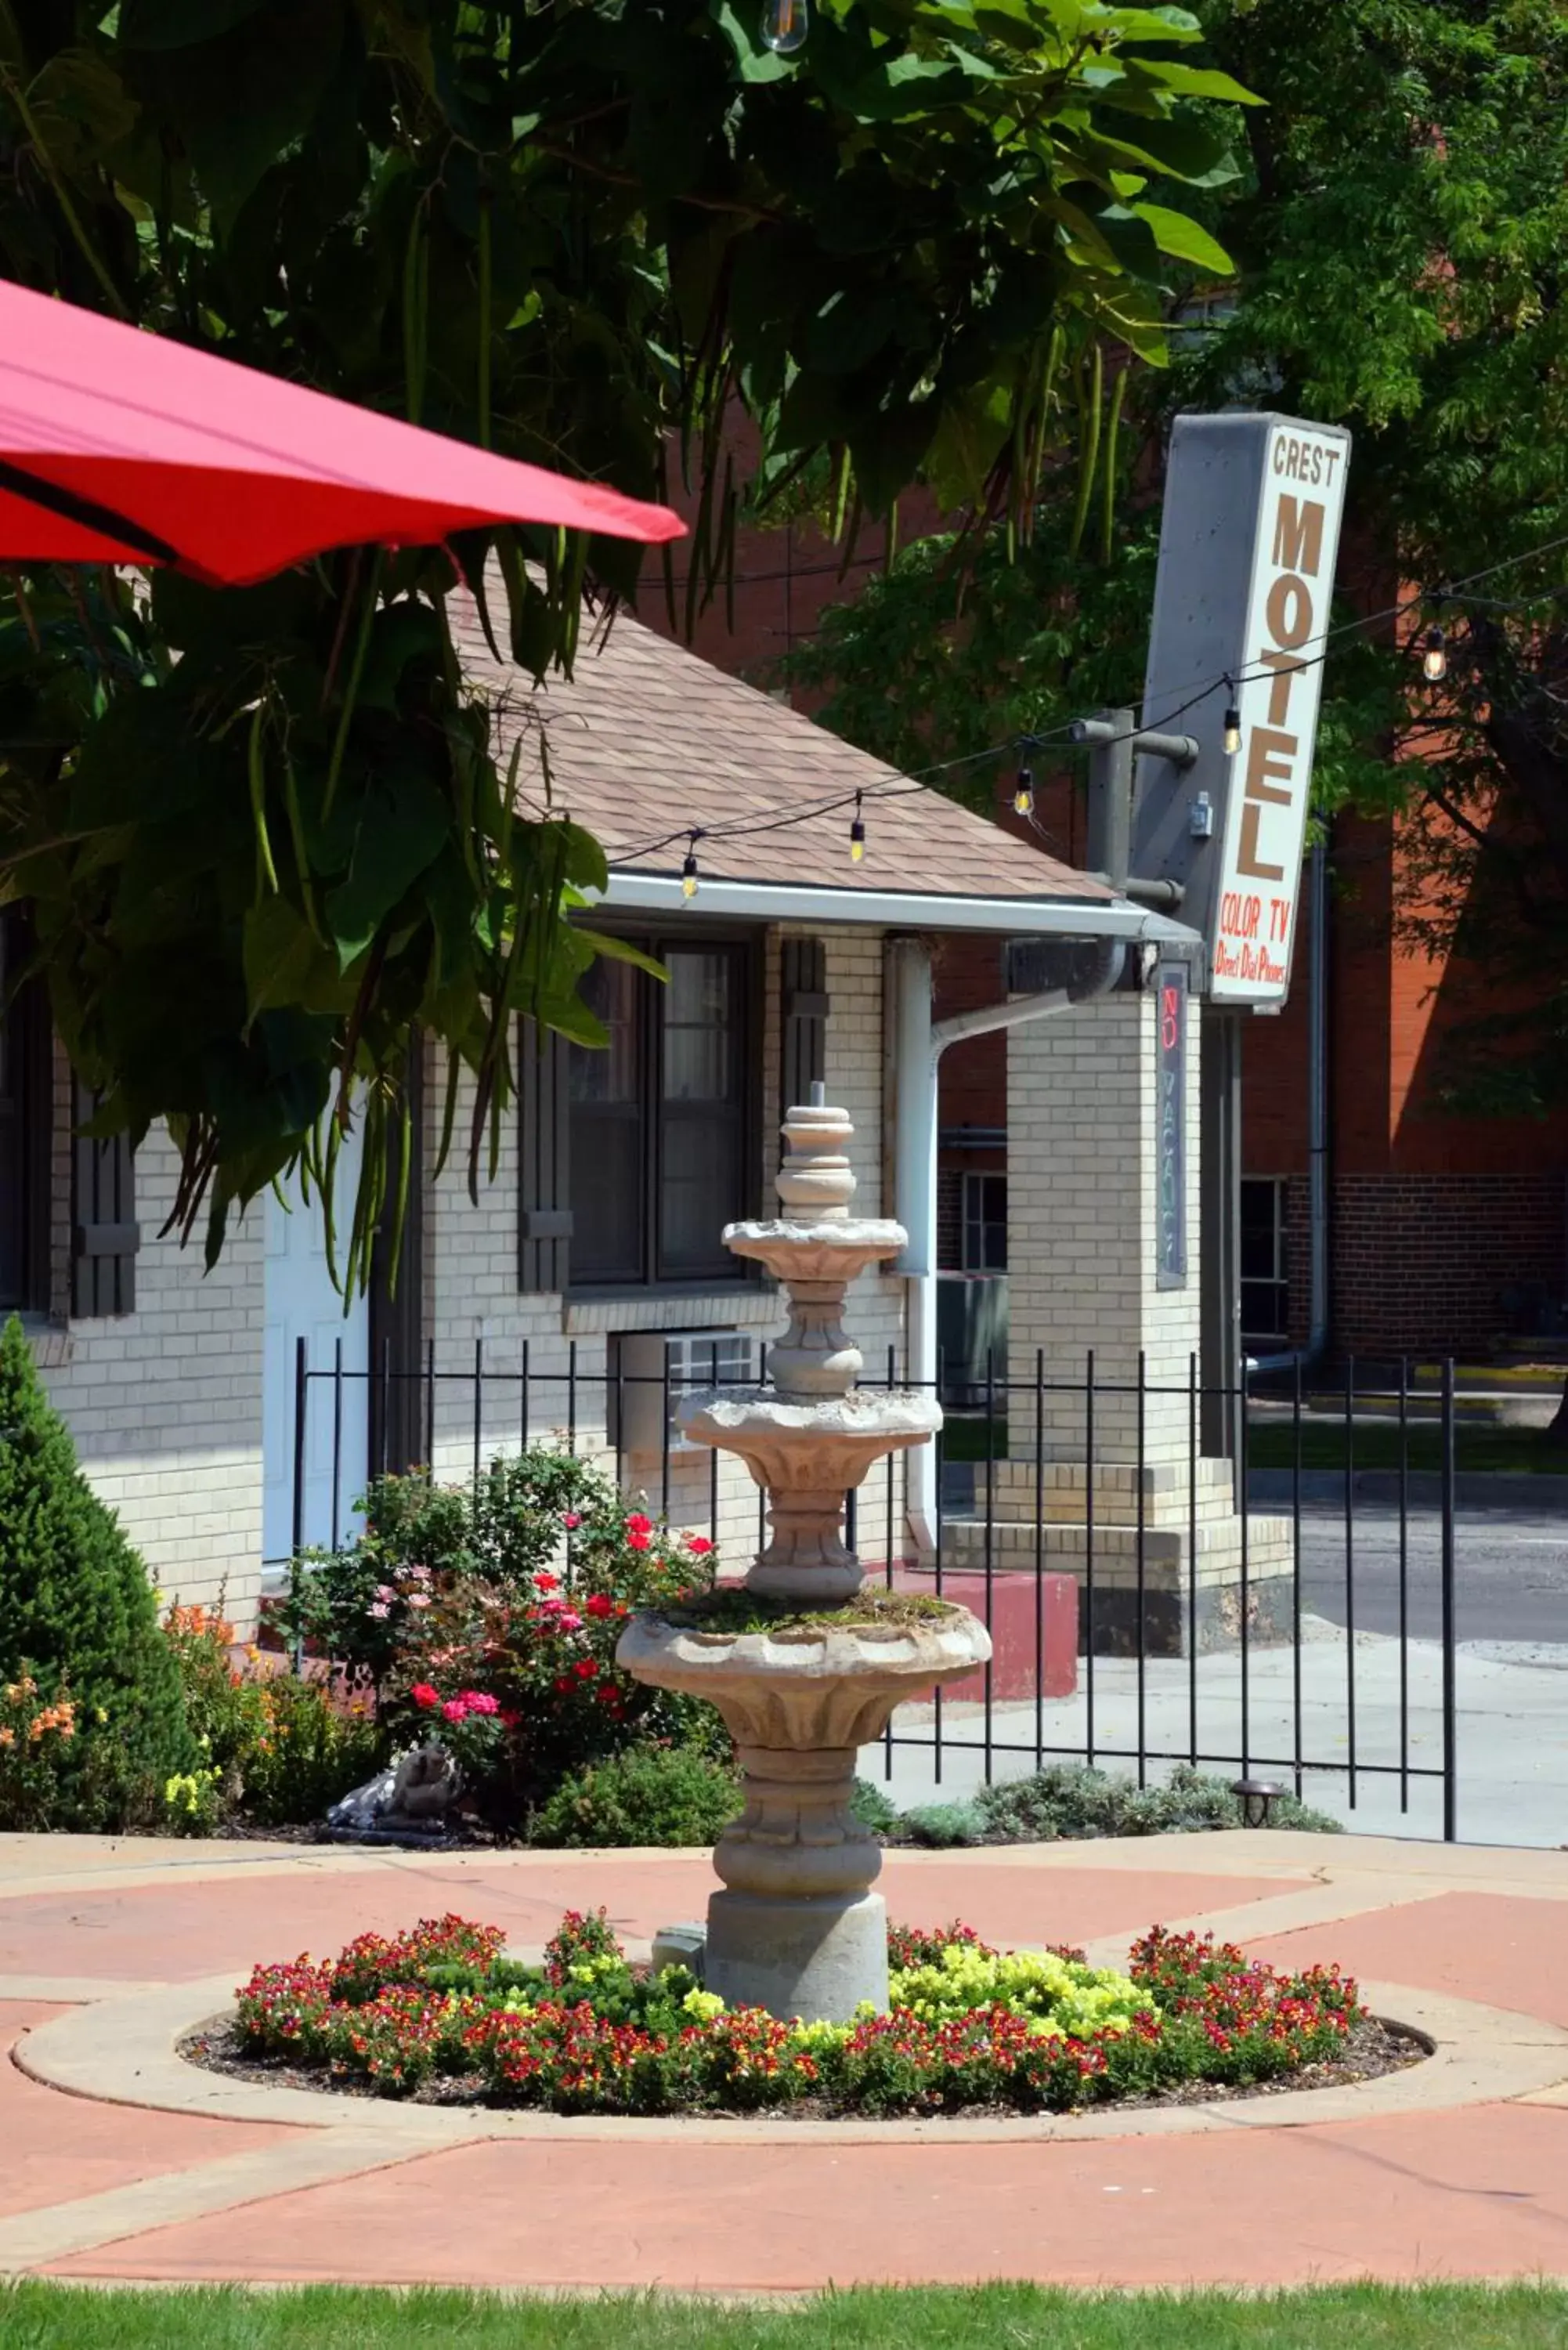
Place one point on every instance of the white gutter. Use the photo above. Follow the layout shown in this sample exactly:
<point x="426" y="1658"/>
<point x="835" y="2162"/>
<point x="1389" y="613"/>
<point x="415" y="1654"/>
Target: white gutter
<point x="898" y="909"/>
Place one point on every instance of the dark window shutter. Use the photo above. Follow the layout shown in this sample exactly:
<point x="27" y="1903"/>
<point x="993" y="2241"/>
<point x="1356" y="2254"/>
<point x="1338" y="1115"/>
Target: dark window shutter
<point x="803" y="982"/>
<point x="398" y="1392"/>
<point x="543" y="1210"/>
<point x="105" y="1234"/>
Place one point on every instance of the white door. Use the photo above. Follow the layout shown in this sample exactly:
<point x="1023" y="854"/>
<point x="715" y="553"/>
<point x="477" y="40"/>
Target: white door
<point x="301" y="1303"/>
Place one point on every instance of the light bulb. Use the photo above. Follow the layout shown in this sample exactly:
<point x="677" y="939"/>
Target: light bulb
<point x="1435" y="659"/>
<point x="1233" y="736"/>
<point x="689" y="872"/>
<point x="784" y="26"/>
<point x="857" y="834"/>
<point x="1023" y="794"/>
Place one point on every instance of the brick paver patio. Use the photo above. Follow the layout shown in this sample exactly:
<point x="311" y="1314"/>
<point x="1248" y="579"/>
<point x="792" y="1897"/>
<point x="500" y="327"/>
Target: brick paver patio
<point x="1468" y="2179"/>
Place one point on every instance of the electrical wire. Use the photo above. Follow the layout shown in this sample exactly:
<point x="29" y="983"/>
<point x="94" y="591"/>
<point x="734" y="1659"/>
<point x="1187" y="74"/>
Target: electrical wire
<point x="916" y="779"/>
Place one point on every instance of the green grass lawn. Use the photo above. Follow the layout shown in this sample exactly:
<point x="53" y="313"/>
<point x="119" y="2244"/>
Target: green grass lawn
<point x="1478" y="1447"/>
<point x="994" y="2317"/>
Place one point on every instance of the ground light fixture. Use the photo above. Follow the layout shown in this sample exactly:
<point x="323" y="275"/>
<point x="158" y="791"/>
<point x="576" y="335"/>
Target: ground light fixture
<point x="1257" y="1798"/>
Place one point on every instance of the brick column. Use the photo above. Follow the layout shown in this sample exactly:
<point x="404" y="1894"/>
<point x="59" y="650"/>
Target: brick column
<point x="1081" y="1244"/>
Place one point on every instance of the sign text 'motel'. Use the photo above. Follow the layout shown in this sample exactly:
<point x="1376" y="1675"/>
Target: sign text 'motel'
<point x="1171" y="1131"/>
<point x="1248" y="544"/>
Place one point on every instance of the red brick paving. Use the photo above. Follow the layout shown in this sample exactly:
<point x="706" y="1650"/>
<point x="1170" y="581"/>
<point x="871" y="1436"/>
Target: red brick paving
<point x="55" y="2149"/>
<point x="1503" y="1951"/>
<point x="170" y="1931"/>
<point x="1478" y="2193"/>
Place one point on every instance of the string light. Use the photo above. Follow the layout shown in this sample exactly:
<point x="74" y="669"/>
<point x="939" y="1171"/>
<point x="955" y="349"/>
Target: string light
<point x="857" y="834"/>
<point x="689" y="868"/>
<point x="1024" y="792"/>
<point x="1233" y="722"/>
<point x="785" y="23"/>
<point x="1435" y="659"/>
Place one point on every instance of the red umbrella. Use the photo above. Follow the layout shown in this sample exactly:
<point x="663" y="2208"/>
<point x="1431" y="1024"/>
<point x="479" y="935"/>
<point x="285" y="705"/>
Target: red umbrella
<point x="122" y="447"/>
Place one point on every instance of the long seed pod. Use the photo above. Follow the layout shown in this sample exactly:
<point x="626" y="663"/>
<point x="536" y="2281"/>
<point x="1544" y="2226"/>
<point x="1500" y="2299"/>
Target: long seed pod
<point x="1088" y="447"/>
<point x="1108" y="509"/>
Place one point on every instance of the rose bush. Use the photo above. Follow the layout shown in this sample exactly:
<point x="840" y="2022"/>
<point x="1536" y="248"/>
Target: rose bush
<point x="967" y="2026"/>
<point x="487" y="1617"/>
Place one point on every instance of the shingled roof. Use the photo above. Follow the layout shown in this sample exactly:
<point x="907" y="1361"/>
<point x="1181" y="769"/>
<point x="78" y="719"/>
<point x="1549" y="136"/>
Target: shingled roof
<point x="647" y="739"/>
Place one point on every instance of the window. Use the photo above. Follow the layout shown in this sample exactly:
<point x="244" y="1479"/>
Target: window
<point x="660" y="1121"/>
<point x="23" y="1130"/>
<point x="1265" y="1284"/>
<point x="984" y="1247"/>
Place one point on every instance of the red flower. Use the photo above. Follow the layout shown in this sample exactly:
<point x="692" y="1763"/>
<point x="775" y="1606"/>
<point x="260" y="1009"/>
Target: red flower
<point x="570" y="1519"/>
<point x="562" y="1682"/>
<point x="585" y="1668"/>
<point x="480" y="1701"/>
<point x="636" y="1540"/>
<point x="454" y="1710"/>
<point x="510" y="1718"/>
<point x="546" y="1583"/>
<point x="597" y="1605"/>
<point x="606" y="1695"/>
<point x="700" y="1543"/>
<point x="638" y="1524"/>
<point x="425" y="1695"/>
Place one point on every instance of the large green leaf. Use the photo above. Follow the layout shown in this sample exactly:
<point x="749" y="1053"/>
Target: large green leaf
<point x="1175" y="234"/>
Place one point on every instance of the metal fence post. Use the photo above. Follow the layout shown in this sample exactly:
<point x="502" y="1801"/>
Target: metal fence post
<point x="1451" y="1707"/>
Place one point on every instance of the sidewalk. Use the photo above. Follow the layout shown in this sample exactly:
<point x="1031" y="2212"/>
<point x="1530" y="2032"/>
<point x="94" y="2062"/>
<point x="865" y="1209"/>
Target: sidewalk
<point x="151" y="2170"/>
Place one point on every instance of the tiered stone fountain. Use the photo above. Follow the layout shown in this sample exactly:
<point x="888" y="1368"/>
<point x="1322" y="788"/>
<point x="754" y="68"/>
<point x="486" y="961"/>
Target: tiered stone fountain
<point x="797" y="1929"/>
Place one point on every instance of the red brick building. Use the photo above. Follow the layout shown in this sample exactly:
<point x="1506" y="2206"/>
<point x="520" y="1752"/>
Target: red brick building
<point x="1445" y="1233"/>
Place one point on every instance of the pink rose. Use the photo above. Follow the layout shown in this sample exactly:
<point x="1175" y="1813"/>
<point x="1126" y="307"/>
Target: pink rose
<point x="569" y="1620"/>
<point x="419" y="1599"/>
<point x="385" y="1591"/>
<point x="454" y="1710"/>
<point x="379" y="1609"/>
<point x="419" y="1574"/>
<point x="572" y="1518"/>
<point x="480" y="1701"/>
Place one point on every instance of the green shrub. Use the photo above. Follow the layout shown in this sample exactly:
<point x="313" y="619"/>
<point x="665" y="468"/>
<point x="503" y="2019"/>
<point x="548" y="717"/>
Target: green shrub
<point x="1070" y="1800"/>
<point x="872" y="1808"/>
<point x="648" y="1796"/>
<point x="78" y="1614"/>
<point x="276" y="1747"/>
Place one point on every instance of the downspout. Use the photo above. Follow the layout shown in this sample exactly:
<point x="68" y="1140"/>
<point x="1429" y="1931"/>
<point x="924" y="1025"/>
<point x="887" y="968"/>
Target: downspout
<point x="919" y="1044"/>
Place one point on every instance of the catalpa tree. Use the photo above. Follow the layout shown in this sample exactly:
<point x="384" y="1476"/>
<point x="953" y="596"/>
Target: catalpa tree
<point x="261" y="834"/>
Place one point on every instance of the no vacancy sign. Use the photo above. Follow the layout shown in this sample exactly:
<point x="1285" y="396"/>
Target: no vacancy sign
<point x="1247" y="551"/>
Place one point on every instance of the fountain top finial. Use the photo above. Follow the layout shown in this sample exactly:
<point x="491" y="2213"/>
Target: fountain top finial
<point x="815" y="1183"/>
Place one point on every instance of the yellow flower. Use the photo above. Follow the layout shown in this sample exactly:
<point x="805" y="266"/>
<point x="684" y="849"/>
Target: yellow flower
<point x="702" y="2006"/>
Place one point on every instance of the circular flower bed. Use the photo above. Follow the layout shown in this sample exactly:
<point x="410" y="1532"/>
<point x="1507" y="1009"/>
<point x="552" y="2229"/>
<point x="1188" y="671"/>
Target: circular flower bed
<point x="439" y="2011"/>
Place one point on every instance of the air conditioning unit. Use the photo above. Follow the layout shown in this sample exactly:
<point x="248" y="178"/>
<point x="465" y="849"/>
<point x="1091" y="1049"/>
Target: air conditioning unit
<point x="651" y="1370"/>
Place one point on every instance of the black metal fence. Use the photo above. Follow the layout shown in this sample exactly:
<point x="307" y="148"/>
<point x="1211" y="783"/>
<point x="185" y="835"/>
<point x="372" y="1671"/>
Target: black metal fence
<point x="1139" y="1618"/>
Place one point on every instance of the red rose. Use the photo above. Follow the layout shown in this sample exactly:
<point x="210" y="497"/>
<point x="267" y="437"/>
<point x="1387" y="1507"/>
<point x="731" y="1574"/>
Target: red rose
<point x="571" y="1519"/>
<point x="510" y="1718"/>
<point x="597" y="1605"/>
<point x="585" y="1669"/>
<point x="700" y="1543"/>
<point x="425" y="1695"/>
<point x="546" y="1583"/>
<point x="638" y="1524"/>
<point x="562" y="1682"/>
<point x="454" y="1710"/>
<point x="480" y="1701"/>
<point x="636" y="1541"/>
<point x="606" y="1695"/>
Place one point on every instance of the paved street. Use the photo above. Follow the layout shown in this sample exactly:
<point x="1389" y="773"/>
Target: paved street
<point x="1511" y="1573"/>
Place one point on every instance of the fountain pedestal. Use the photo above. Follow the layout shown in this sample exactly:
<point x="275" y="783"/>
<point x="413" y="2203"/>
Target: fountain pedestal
<point x="798" y="1929"/>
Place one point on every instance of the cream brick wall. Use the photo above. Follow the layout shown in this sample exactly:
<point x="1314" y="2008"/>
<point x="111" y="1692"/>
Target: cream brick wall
<point x="473" y="1299"/>
<point x="1081" y="1196"/>
<point x="165" y="1404"/>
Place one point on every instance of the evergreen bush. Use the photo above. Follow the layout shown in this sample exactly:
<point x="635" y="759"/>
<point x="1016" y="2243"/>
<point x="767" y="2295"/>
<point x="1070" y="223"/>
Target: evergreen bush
<point x="79" y="1616"/>
<point x="648" y="1796"/>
